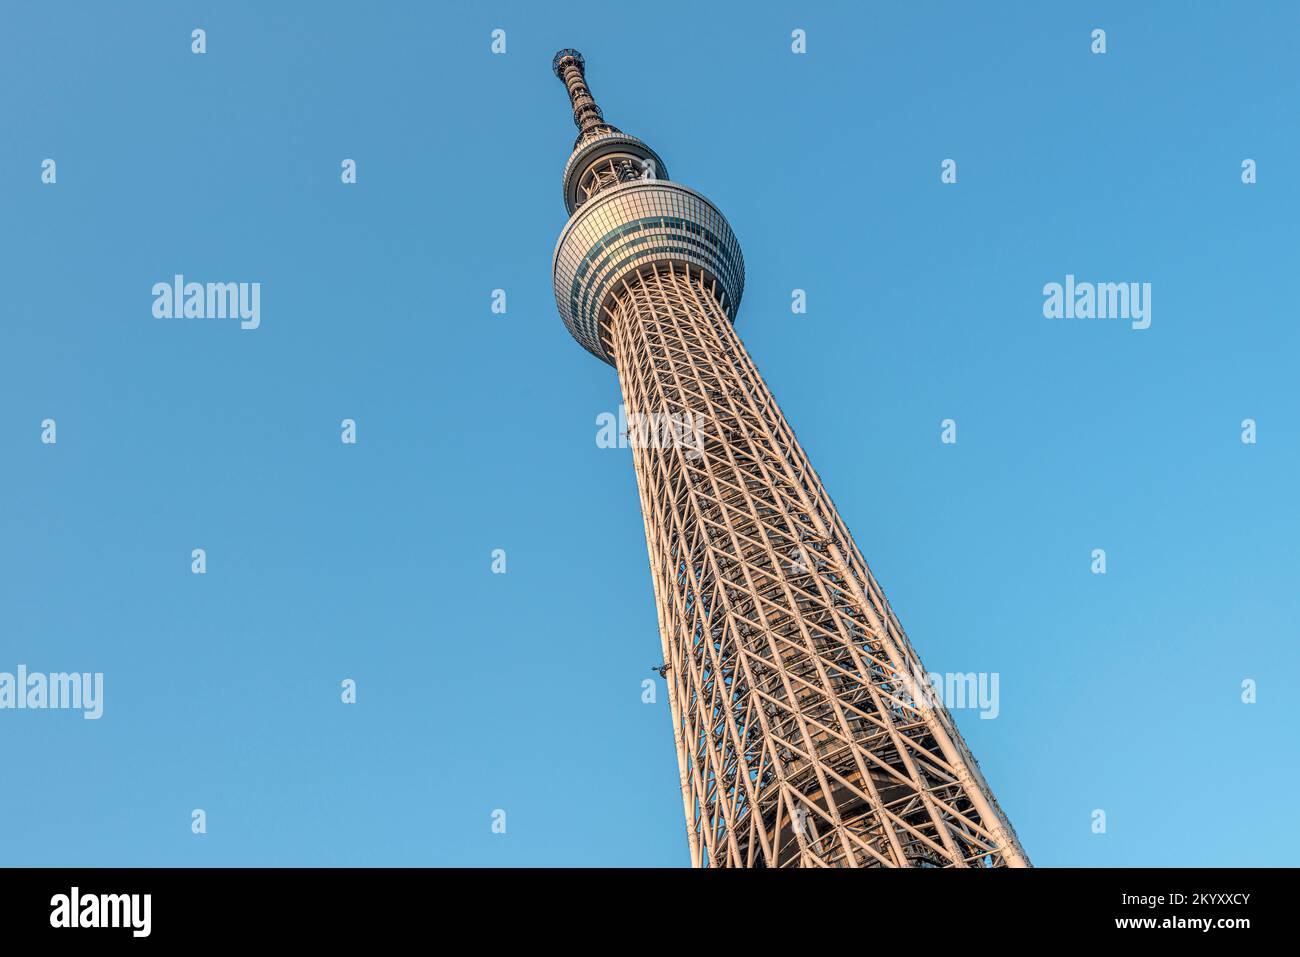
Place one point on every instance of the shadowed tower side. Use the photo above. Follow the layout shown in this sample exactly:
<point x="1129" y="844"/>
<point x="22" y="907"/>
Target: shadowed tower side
<point x="806" y="733"/>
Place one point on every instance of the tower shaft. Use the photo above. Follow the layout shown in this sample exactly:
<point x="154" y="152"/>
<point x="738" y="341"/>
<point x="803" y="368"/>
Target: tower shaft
<point x="804" y="735"/>
<point x="806" y="729"/>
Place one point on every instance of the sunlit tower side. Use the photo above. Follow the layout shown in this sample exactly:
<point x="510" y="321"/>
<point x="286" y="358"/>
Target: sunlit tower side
<point x="806" y="733"/>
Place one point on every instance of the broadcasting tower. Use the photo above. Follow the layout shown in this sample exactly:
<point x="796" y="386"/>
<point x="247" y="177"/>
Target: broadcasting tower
<point x="806" y="732"/>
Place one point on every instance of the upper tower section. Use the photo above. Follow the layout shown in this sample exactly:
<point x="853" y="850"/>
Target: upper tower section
<point x="603" y="155"/>
<point x="625" y="218"/>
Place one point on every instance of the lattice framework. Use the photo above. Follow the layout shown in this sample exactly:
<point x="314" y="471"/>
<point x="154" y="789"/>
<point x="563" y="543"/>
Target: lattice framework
<point x="790" y="679"/>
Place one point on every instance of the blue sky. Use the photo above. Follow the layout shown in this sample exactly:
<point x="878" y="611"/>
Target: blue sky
<point x="476" y="431"/>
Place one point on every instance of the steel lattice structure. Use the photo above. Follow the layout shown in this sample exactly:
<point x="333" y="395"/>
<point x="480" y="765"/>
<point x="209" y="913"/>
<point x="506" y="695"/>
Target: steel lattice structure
<point x="806" y="733"/>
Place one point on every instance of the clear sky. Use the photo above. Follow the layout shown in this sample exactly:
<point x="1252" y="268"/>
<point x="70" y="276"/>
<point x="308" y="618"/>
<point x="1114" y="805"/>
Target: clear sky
<point x="476" y="431"/>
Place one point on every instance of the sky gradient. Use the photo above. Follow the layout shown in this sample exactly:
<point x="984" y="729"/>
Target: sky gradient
<point x="476" y="431"/>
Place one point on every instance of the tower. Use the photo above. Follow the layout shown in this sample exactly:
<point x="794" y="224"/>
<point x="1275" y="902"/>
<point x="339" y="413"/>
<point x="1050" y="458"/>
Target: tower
<point x="807" y="734"/>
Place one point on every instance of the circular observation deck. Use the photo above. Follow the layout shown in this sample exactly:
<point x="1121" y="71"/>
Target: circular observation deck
<point x="627" y="230"/>
<point x="594" y="151"/>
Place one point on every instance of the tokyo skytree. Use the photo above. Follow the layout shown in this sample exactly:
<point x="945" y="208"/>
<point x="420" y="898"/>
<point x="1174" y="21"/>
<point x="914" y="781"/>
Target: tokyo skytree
<point x="807" y="734"/>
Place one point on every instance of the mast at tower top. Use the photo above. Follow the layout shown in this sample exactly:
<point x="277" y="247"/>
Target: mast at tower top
<point x="571" y="68"/>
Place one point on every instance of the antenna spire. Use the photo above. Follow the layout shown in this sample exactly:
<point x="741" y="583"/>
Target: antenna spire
<point x="570" y="67"/>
